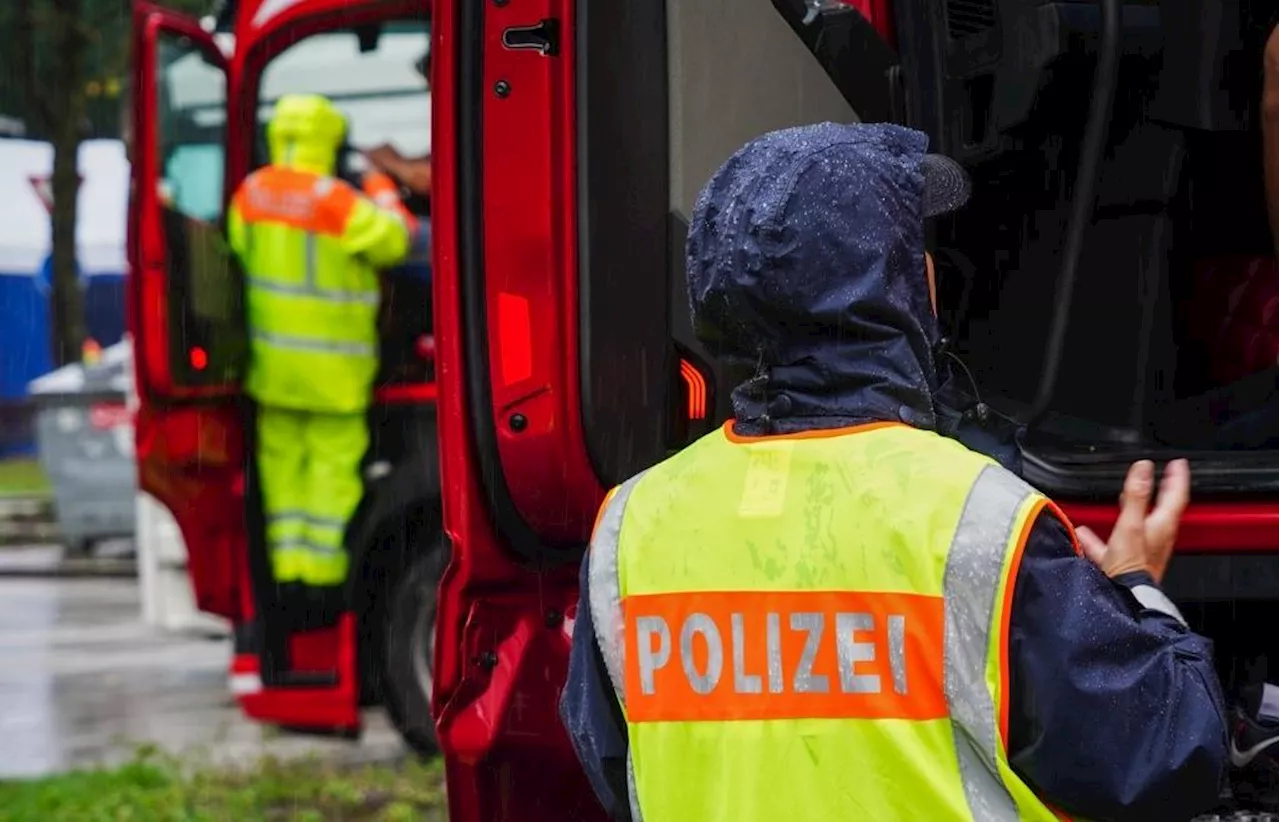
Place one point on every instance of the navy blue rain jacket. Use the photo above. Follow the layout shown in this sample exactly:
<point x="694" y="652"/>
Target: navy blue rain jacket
<point x="805" y="264"/>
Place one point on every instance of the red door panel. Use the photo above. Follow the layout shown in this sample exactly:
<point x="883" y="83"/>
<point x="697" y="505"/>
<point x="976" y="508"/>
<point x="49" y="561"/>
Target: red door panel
<point x="505" y="320"/>
<point x="190" y="447"/>
<point x="529" y="184"/>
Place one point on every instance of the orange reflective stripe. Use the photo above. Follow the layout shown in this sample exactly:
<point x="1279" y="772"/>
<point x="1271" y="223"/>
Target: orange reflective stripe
<point x="600" y="513"/>
<point x="375" y="183"/>
<point x="384" y="192"/>
<point x="1015" y="562"/>
<point x="299" y="199"/>
<point x="733" y="655"/>
<point x="1071" y="529"/>
<point x="820" y="433"/>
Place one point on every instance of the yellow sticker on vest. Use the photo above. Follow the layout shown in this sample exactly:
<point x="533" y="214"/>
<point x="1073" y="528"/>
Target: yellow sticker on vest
<point x="764" y="491"/>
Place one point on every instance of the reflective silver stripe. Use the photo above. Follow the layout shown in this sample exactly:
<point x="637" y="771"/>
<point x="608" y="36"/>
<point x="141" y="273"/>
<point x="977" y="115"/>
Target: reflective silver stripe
<point x="606" y="596"/>
<point x="317" y="346"/>
<point x="312" y="290"/>
<point x="633" y="794"/>
<point x="302" y="544"/>
<point x="312" y="519"/>
<point x="970" y="584"/>
<point x="1153" y="599"/>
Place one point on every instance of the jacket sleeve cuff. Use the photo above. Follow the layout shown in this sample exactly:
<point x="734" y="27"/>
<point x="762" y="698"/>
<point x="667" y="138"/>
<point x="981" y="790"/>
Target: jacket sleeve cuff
<point x="1148" y="594"/>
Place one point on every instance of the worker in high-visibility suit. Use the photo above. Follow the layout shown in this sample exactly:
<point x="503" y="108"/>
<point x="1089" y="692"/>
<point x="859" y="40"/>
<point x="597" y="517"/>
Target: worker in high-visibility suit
<point x="311" y="246"/>
<point x="826" y="610"/>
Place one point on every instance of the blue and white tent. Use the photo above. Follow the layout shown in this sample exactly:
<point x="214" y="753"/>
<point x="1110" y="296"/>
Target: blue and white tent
<point x="25" y="348"/>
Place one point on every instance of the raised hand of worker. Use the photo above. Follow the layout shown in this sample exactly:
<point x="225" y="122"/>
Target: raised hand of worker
<point x="1143" y="537"/>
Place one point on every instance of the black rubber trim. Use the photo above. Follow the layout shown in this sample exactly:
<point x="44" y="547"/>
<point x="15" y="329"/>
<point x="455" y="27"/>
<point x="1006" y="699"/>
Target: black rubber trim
<point x="1100" y="474"/>
<point x="510" y="524"/>
<point x="623" y="275"/>
<point x="1222" y="577"/>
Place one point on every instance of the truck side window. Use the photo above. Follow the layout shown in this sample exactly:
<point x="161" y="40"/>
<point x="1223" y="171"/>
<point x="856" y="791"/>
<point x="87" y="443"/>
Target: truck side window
<point x="205" y="289"/>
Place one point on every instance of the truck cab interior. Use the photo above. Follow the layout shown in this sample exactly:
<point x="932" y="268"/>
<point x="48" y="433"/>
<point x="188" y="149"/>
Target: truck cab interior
<point x="1119" y="210"/>
<point x="1116" y="151"/>
<point x="1116" y="158"/>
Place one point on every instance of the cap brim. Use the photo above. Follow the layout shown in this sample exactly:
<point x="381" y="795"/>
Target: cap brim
<point x="946" y="185"/>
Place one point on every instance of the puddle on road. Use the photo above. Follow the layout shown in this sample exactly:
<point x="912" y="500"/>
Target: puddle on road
<point x="83" y="682"/>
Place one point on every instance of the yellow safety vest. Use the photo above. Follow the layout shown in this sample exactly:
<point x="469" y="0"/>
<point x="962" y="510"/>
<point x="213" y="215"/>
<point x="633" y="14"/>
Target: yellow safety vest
<point x="311" y="246"/>
<point x="815" y="627"/>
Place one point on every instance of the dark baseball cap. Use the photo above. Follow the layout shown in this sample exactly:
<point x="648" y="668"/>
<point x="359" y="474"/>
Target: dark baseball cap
<point x="946" y="184"/>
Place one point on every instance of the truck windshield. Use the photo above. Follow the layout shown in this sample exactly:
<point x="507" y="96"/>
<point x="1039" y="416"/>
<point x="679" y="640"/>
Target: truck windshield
<point x="380" y="89"/>
<point x="377" y="83"/>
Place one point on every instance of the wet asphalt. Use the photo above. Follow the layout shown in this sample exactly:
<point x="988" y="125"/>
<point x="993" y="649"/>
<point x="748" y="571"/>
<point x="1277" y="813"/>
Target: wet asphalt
<point x="83" y="682"/>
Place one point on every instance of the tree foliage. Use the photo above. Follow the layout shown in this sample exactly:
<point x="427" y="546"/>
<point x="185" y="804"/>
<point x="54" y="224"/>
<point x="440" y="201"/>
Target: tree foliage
<point x="63" y="67"/>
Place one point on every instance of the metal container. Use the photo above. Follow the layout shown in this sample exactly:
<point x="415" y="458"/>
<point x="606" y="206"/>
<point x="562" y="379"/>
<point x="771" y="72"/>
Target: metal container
<point x="84" y="437"/>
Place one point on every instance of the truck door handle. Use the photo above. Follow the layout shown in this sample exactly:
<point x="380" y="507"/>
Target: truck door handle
<point x="543" y="37"/>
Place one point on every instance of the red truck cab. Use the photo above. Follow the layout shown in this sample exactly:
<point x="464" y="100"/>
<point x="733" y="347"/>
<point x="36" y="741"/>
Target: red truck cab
<point x="200" y="102"/>
<point x="568" y="145"/>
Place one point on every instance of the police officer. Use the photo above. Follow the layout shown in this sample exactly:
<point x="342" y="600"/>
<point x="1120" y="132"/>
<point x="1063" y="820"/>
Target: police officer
<point x="311" y="246"/>
<point x="826" y="610"/>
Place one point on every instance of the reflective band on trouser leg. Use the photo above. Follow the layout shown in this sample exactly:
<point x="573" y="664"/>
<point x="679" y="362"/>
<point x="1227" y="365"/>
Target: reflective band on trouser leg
<point x="281" y="459"/>
<point x="971" y="585"/>
<point x="606" y="602"/>
<point x="335" y="443"/>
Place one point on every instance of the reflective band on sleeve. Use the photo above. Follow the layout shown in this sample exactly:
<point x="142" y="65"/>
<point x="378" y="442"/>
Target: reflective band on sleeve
<point x="606" y="599"/>
<point x="971" y="581"/>
<point x="318" y="346"/>
<point x="1153" y="599"/>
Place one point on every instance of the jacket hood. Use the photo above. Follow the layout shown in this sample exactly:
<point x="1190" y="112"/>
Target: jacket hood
<point x="805" y="263"/>
<point x="305" y="133"/>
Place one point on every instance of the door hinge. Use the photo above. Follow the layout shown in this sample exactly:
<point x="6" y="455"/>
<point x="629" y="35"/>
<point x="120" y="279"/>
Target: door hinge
<point x="542" y="37"/>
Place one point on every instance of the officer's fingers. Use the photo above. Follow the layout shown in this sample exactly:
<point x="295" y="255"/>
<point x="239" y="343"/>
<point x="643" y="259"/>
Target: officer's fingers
<point x="1175" y="492"/>
<point x="1135" y="499"/>
<point x="1175" y="489"/>
<point x="1092" y="545"/>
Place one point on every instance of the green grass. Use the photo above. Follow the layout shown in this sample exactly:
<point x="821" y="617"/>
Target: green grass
<point x="155" y="787"/>
<point x="22" y="477"/>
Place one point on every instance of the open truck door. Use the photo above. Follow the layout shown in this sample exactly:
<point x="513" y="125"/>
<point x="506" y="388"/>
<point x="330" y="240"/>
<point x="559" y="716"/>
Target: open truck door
<point x="184" y="314"/>
<point x="573" y="149"/>
<point x="200" y="107"/>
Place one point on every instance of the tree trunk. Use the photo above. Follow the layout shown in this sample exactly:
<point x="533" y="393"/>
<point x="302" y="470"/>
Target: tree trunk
<point x="67" y="308"/>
